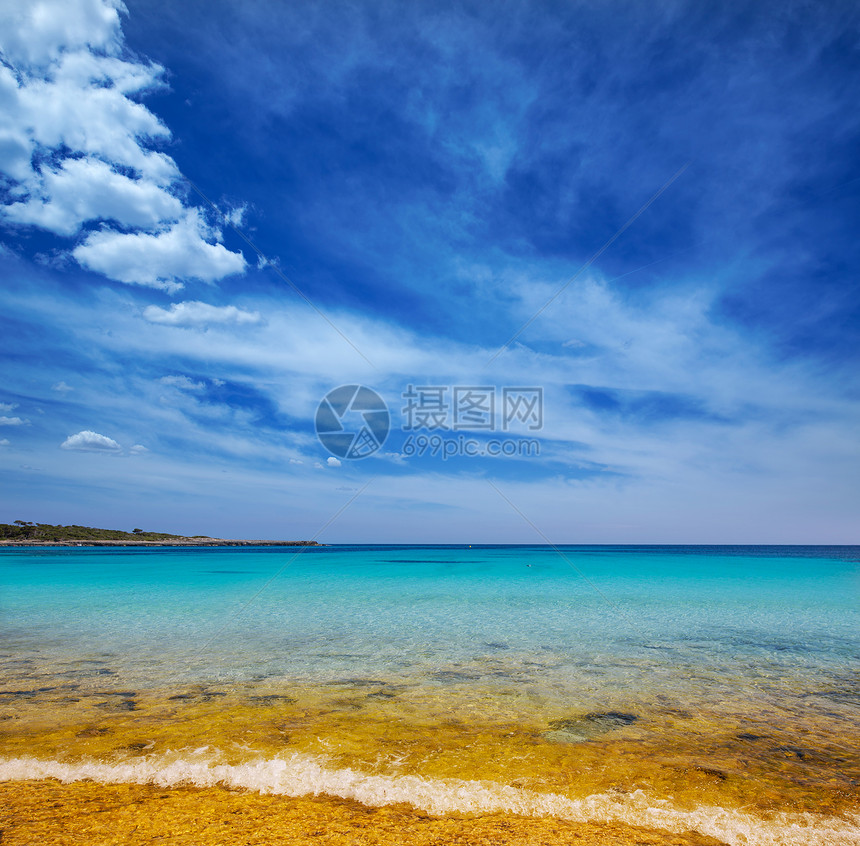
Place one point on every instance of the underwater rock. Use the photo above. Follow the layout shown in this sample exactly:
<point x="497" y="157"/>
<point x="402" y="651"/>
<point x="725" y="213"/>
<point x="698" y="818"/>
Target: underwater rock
<point x="587" y="727"/>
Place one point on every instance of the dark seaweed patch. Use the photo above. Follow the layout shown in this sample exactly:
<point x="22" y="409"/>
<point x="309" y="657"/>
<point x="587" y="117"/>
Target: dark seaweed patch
<point x="95" y="731"/>
<point x="455" y="676"/>
<point x="122" y="705"/>
<point x="712" y="772"/>
<point x="271" y="699"/>
<point x="230" y="572"/>
<point x="382" y="694"/>
<point x="352" y="704"/>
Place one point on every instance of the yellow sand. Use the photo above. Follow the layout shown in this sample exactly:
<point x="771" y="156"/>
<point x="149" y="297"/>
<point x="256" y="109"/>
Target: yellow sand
<point x="52" y="814"/>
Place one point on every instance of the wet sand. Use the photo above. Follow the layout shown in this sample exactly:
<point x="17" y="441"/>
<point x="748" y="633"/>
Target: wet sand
<point x="50" y="813"/>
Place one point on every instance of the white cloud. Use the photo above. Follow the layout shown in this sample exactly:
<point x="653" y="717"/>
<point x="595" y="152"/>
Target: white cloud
<point x="333" y="462"/>
<point x="88" y="189"/>
<point x="137" y="449"/>
<point x="62" y="388"/>
<point x="67" y="96"/>
<point x="183" y="383"/>
<point x="296" y="461"/>
<point x="236" y="215"/>
<point x="8" y="406"/>
<point x="4" y="442"/>
<point x="34" y="31"/>
<point x="87" y="441"/>
<point x="160" y="259"/>
<point x="194" y="313"/>
<point x="12" y="421"/>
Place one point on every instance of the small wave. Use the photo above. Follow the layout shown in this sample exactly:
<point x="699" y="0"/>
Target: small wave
<point x="306" y="775"/>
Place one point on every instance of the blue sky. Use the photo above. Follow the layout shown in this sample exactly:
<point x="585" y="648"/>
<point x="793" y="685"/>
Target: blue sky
<point x="430" y="176"/>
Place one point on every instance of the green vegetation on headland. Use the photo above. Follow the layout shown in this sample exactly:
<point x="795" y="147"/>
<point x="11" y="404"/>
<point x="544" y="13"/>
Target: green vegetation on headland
<point x="23" y="532"/>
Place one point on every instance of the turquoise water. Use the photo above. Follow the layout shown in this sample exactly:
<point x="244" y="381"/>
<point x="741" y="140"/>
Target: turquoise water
<point x="714" y="689"/>
<point x="768" y="614"/>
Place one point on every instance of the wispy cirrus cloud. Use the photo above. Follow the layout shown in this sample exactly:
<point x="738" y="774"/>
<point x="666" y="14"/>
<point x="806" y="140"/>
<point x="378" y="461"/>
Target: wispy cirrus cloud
<point x="183" y="383"/>
<point x="195" y="313"/>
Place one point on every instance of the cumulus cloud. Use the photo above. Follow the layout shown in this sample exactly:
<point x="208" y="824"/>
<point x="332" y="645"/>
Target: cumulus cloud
<point x="78" y="149"/>
<point x="33" y="31"/>
<point x="160" y="259"/>
<point x="137" y="449"/>
<point x="4" y="442"/>
<point x="62" y="199"/>
<point x="8" y="406"/>
<point x="333" y="462"/>
<point x="194" y="313"/>
<point x="12" y="421"/>
<point x="62" y="388"/>
<point x="88" y="441"/>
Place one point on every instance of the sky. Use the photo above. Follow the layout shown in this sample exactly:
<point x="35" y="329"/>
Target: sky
<point x="640" y="217"/>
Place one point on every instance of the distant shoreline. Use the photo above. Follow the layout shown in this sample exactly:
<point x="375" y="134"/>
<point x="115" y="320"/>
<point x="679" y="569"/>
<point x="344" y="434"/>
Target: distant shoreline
<point x="178" y="542"/>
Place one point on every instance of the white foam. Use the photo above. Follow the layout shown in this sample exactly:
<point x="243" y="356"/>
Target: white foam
<point x="305" y="775"/>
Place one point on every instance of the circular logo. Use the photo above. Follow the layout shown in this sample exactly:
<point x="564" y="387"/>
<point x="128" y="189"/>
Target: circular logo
<point x="352" y="421"/>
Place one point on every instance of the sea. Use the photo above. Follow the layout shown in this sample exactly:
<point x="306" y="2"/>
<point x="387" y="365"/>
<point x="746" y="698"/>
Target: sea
<point x="708" y="689"/>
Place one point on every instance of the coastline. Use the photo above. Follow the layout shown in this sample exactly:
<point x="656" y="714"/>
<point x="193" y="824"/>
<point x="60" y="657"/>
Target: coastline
<point x="189" y="542"/>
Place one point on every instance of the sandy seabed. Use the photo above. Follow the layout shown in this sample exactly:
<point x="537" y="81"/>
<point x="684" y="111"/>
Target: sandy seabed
<point x="361" y="763"/>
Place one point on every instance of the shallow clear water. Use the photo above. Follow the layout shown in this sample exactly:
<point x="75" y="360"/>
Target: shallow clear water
<point x="527" y="666"/>
<point x="318" y="613"/>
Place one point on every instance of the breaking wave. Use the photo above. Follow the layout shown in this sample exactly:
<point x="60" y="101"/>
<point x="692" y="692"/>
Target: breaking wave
<point x="306" y="775"/>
